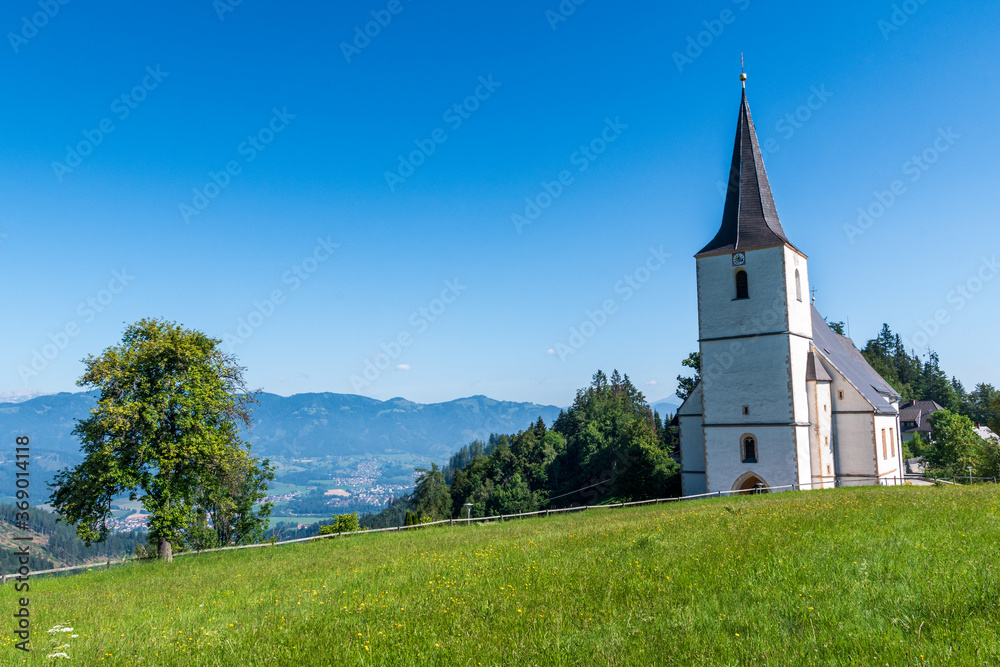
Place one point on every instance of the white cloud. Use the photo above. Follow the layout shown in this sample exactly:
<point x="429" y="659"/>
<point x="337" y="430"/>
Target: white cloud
<point x="403" y="367"/>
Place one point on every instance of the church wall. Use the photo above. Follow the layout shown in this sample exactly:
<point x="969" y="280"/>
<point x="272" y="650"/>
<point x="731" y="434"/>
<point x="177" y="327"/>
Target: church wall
<point x="721" y="315"/>
<point x="692" y="444"/>
<point x="756" y="376"/>
<point x="803" y="457"/>
<point x="776" y="458"/>
<point x="799" y="358"/>
<point x="823" y="466"/>
<point x="854" y="446"/>
<point x="852" y="401"/>
<point x="890" y="466"/>
<point x="799" y="319"/>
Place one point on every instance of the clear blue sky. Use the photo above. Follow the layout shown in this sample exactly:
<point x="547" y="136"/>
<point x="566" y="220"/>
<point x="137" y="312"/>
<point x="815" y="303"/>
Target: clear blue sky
<point x="326" y="131"/>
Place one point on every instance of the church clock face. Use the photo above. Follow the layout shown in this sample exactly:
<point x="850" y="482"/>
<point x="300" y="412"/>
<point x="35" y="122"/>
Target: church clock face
<point x="739" y="259"/>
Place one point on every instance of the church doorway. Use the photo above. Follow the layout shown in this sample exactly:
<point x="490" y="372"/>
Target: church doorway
<point x="750" y="483"/>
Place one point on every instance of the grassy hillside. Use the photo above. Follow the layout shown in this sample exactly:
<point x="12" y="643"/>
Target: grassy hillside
<point x="850" y="576"/>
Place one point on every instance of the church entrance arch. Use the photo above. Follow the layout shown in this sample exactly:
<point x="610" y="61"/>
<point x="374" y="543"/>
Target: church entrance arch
<point x="750" y="483"/>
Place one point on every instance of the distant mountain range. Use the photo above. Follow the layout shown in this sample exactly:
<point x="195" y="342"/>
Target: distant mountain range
<point x="302" y="424"/>
<point x="306" y="424"/>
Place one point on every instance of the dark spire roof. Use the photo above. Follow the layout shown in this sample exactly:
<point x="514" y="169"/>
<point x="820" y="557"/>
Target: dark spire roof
<point x="749" y="219"/>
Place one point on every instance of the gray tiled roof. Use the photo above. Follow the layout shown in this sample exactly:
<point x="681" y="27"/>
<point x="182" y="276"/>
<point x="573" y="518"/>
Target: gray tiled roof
<point x="918" y="411"/>
<point x="816" y="371"/>
<point x="840" y="352"/>
<point x="749" y="219"/>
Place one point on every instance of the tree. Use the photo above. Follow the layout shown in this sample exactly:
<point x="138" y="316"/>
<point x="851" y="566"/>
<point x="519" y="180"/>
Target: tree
<point x="982" y="404"/>
<point x="343" y="523"/>
<point x="837" y="327"/>
<point x="165" y="430"/>
<point x="954" y="444"/>
<point x="686" y="385"/>
<point x="232" y="496"/>
<point x="431" y="498"/>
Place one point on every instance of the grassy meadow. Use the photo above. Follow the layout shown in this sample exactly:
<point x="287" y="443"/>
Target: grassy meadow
<point x="865" y="576"/>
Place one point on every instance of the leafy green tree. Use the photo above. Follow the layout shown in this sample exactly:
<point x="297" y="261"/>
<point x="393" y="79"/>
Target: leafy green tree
<point x="166" y="422"/>
<point x="343" y="523"/>
<point x="686" y="385"/>
<point x="232" y="498"/>
<point x="837" y="327"/>
<point x="915" y="447"/>
<point x="954" y="443"/>
<point x="432" y="498"/>
<point x="988" y="458"/>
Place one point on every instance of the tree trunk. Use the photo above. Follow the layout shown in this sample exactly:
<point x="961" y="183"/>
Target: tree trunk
<point x="166" y="552"/>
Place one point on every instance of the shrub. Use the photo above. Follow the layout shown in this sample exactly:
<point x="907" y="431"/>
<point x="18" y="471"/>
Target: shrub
<point x="343" y="523"/>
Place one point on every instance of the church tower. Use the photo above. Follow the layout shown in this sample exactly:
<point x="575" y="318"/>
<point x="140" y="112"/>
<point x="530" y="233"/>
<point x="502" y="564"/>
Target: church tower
<point x="755" y="336"/>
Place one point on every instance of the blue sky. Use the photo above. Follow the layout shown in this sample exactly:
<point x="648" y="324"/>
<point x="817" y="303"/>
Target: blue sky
<point x="225" y="166"/>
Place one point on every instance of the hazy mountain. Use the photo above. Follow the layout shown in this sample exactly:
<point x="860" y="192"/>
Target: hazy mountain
<point x="667" y="406"/>
<point x="300" y="425"/>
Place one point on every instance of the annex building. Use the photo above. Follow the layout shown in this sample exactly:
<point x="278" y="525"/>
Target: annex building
<point x="783" y="399"/>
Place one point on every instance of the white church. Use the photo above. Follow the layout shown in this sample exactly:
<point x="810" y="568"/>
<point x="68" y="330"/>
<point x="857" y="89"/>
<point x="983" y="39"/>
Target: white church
<point x="783" y="399"/>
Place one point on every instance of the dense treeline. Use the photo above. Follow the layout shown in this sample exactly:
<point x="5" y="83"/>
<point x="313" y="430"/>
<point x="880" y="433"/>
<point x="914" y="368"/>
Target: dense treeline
<point x="925" y="380"/>
<point x="608" y="446"/>
<point x="62" y="544"/>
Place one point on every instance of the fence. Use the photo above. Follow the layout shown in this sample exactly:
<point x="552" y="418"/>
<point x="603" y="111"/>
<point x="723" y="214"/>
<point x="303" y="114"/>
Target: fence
<point x="838" y="482"/>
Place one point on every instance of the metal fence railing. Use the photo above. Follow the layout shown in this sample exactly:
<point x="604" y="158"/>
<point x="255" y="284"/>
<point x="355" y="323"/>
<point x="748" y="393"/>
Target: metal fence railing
<point x="837" y="482"/>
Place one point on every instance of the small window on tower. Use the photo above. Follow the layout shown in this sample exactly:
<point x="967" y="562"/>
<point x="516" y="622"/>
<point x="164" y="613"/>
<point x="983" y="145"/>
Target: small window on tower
<point x="798" y="286"/>
<point x="749" y="449"/>
<point x="840" y="394"/>
<point x="742" y="290"/>
<point x="746" y="409"/>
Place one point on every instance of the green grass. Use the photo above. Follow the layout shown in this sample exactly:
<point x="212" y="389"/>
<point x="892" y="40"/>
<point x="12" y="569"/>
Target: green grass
<point x="870" y="576"/>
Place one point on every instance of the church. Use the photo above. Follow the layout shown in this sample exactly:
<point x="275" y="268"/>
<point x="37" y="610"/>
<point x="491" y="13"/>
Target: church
<point x="783" y="399"/>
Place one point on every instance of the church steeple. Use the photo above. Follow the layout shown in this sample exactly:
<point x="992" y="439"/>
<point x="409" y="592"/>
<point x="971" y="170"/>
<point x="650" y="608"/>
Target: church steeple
<point x="750" y="219"/>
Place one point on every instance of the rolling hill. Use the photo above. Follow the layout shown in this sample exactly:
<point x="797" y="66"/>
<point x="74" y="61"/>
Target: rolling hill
<point x="860" y="576"/>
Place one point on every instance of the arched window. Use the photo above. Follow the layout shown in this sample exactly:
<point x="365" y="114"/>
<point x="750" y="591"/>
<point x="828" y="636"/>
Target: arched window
<point x="749" y="449"/>
<point x="742" y="291"/>
<point x="798" y="286"/>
